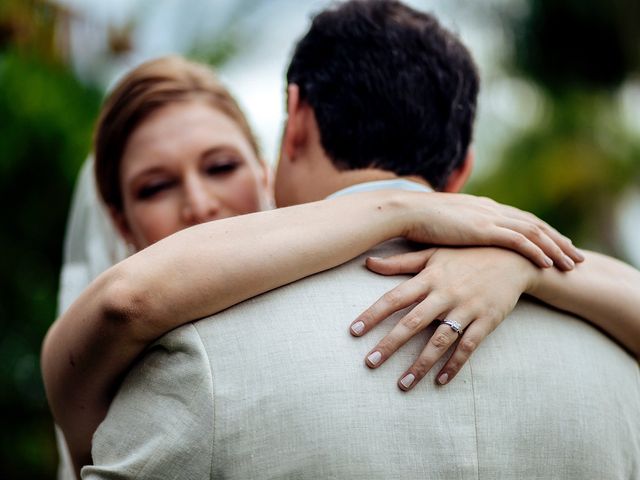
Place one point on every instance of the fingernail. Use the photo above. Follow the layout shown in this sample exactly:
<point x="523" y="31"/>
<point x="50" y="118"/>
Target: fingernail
<point x="580" y="255"/>
<point x="548" y="262"/>
<point x="407" y="380"/>
<point x="442" y="379"/>
<point x="570" y="263"/>
<point x="374" y="358"/>
<point x="357" y="327"/>
<point x="375" y="258"/>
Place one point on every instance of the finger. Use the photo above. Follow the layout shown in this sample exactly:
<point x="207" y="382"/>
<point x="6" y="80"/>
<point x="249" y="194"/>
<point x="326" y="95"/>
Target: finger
<point x="412" y="262"/>
<point x="512" y="240"/>
<point x="411" y="324"/>
<point x="473" y="335"/>
<point x="438" y="344"/>
<point x="561" y="240"/>
<point x="407" y="293"/>
<point x="538" y="236"/>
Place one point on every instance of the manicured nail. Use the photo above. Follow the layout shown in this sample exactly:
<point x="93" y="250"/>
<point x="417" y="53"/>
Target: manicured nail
<point x="568" y="262"/>
<point x="580" y="255"/>
<point x="357" y="327"/>
<point x="407" y="380"/>
<point x="376" y="258"/>
<point x="548" y="262"/>
<point x="442" y="379"/>
<point x="374" y="358"/>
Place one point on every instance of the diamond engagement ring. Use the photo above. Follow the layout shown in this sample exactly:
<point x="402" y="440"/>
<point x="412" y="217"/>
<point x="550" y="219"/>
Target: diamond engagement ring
<point x="455" y="326"/>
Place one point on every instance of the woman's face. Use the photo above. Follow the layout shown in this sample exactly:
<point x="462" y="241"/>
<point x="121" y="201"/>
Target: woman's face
<point x="187" y="163"/>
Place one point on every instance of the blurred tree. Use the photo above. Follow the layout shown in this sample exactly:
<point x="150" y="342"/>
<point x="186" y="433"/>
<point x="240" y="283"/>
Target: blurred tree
<point x="46" y="118"/>
<point x="571" y="167"/>
<point x="216" y="48"/>
<point x="578" y="44"/>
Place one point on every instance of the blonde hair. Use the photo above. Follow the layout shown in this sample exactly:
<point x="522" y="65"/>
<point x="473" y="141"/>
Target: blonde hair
<point x="142" y="91"/>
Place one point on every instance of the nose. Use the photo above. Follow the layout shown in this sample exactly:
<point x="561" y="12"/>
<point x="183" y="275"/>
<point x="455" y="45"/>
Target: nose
<point x="200" y="204"/>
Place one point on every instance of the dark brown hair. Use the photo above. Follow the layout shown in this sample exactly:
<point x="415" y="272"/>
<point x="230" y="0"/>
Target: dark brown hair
<point x="390" y="88"/>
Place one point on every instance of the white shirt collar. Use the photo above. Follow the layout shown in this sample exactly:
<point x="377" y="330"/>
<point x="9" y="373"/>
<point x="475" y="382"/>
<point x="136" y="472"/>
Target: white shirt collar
<point x="392" y="184"/>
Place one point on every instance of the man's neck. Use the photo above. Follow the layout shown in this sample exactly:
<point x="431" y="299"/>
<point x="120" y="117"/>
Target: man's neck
<point x="344" y="179"/>
<point x="316" y="177"/>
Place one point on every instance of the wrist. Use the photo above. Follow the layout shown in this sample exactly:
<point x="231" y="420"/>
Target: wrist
<point x="395" y="211"/>
<point x="409" y="210"/>
<point x="535" y="279"/>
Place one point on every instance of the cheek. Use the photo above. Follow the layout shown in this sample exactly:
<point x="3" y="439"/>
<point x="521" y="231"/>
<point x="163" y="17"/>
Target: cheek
<point x="245" y="193"/>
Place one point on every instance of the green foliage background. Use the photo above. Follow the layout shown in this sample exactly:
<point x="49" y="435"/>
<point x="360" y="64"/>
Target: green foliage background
<point x="570" y="168"/>
<point x="46" y="118"/>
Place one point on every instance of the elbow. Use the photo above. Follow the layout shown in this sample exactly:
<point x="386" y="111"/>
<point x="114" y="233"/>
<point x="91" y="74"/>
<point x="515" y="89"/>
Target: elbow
<point x="122" y="302"/>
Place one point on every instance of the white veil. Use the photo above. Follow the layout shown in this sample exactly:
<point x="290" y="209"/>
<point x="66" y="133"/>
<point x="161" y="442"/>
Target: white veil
<point x="91" y="245"/>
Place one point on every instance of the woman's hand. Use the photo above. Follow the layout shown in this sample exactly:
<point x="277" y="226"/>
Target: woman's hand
<point x="465" y="220"/>
<point x="473" y="287"/>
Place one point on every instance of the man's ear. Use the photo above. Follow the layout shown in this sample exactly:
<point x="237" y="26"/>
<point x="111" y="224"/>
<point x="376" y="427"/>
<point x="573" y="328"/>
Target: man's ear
<point x="460" y="175"/>
<point x="294" y="132"/>
<point x="121" y="224"/>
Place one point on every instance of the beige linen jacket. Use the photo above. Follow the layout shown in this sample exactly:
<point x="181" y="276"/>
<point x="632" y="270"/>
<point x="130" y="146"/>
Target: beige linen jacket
<point x="276" y="387"/>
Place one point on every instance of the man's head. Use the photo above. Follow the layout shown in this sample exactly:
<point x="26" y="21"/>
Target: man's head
<point x="387" y="88"/>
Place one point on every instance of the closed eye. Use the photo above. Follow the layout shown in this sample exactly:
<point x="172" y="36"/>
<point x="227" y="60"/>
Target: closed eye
<point x="152" y="189"/>
<point x="221" y="168"/>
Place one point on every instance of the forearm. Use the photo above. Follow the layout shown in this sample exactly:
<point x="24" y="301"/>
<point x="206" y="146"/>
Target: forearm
<point x="602" y="290"/>
<point x="234" y="259"/>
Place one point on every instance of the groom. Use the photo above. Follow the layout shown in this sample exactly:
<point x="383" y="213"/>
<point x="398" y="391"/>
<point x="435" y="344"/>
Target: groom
<point x="379" y="96"/>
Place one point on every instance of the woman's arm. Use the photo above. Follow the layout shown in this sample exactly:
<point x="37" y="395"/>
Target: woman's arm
<point x="602" y="290"/>
<point x="478" y="288"/>
<point x="207" y="268"/>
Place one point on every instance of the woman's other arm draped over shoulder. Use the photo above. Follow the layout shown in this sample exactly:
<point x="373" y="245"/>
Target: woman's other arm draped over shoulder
<point x="602" y="290"/>
<point x="207" y="268"/>
<point x="479" y="287"/>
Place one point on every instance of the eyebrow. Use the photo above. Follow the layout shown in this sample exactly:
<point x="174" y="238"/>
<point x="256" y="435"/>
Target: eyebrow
<point x="218" y="149"/>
